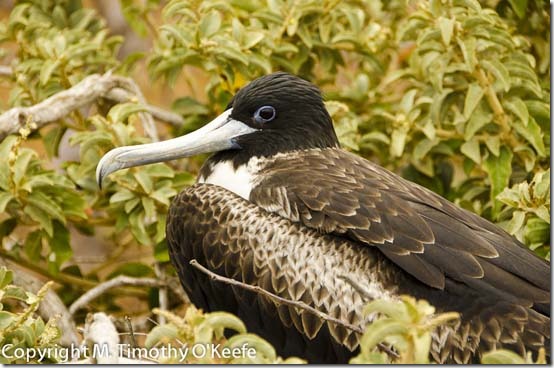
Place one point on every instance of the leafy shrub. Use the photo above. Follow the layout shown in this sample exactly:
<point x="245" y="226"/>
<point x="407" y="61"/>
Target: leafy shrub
<point x="19" y="327"/>
<point x="448" y="93"/>
<point x="198" y="328"/>
<point x="452" y="94"/>
<point x="406" y="325"/>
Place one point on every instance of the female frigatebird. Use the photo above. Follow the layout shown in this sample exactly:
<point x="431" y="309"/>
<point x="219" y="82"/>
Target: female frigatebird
<point x="280" y="205"/>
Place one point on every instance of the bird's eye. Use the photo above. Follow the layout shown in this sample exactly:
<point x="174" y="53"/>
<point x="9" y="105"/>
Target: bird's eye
<point x="265" y="114"/>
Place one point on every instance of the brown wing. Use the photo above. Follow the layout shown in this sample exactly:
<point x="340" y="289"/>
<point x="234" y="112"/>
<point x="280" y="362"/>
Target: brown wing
<point x="336" y="192"/>
<point x="237" y="239"/>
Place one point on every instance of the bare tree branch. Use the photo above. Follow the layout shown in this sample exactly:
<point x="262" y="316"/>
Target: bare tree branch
<point x="292" y="303"/>
<point x="100" y="330"/>
<point x="58" y="105"/>
<point x="115" y="282"/>
<point x="277" y="298"/>
<point x="5" y="71"/>
<point x="82" y="94"/>
<point x="162" y="292"/>
<point x="171" y="283"/>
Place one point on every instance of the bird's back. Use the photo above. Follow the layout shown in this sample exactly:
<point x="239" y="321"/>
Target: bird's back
<point x="237" y="239"/>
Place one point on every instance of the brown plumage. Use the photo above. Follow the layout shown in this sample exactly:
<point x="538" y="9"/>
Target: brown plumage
<point x="238" y="239"/>
<point x="291" y="212"/>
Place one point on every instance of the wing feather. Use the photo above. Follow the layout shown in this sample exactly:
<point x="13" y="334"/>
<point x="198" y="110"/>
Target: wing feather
<point x="336" y="192"/>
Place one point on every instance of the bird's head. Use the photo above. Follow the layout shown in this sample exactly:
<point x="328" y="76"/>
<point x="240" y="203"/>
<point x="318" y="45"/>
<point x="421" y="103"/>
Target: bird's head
<point x="276" y="113"/>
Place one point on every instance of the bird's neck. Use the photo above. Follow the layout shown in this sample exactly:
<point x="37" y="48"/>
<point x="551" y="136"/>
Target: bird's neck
<point x="236" y="176"/>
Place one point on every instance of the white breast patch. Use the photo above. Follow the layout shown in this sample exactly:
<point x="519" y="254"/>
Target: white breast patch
<point x="238" y="181"/>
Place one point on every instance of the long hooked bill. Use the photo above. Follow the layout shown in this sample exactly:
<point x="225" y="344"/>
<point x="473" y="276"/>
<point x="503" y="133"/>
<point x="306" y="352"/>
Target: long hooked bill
<point x="217" y="135"/>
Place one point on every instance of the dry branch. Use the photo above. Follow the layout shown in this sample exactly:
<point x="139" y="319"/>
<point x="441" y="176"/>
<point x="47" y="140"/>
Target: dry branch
<point x="80" y="95"/>
<point x="115" y="282"/>
<point x="277" y="298"/>
<point x="5" y="71"/>
<point x="60" y="104"/>
<point x="100" y="330"/>
<point x="162" y="293"/>
<point x="292" y="303"/>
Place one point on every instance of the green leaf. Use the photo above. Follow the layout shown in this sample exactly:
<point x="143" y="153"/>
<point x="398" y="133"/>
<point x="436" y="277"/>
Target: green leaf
<point x="519" y="6"/>
<point x="473" y="96"/>
<point x="516" y="222"/>
<point x="393" y="309"/>
<point x="187" y="106"/>
<point x="133" y="269"/>
<point x="47" y="69"/>
<point x="160" y="171"/>
<point x="163" y="195"/>
<point x="159" y="334"/>
<point x="499" y="71"/>
<point x="40" y="217"/>
<point x="398" y="141"/>
<point x="447" y="28"/>
<point x="371" y="358"/>
<point x="6" y="277"/>
<point x="533" y="134"/>
<point x="232" y="54"/>
<point x="136" y="220"/>
<point x="537" y="230"/>
<point x="122" y="196"/>
<point x="468" y="50"/>
<point x="518" y="107"/>
<point x="218" y="321"/>
<point x="6" y="319"/>
<point x="161" y="253"/>
<point x="262" y="347"/>
<point x="6" y="227"/>
<point x="540" y="111"/>
<point x="499" y="170"/>
<point x="493" y="144"/>
<point x="472" y="150"/>
<point x="252" y="38"/>
<point x="144" y="180"/>
<point x="5" y="199"/>
<point x="149" y="209"/>
<point x="130" y="205"/>
<point x="45" y="203"/>
<point x="122" y="111"/>
<point x="422" y="346"/>
<point x="21" y="164"/>
<point x="60" y="245"/>
<point x="210" y="24"/>
<point x="423" y="147"/>
<point x="52" y="140"/>
<point x="378" y="331"/>
<point x="15" y="292"/>
<point x="502" y="356"/>
<point x="33" y="245"/>
<point x="477" y="120"/>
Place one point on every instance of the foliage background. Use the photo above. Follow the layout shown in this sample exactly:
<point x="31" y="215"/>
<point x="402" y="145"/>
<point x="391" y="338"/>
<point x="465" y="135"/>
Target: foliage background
<point x="451" y="94"/>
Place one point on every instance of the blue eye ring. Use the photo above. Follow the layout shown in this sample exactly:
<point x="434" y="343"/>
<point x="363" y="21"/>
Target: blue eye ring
<point x="265" y="114"/>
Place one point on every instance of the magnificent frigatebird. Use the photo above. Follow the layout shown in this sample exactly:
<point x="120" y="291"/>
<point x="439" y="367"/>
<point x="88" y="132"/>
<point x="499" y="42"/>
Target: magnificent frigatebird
<point x="280" y="205"/>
